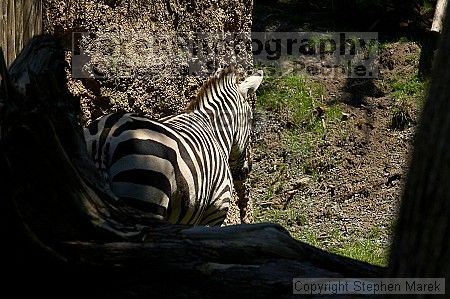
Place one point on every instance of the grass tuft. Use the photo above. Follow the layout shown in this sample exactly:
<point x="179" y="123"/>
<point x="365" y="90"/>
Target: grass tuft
<point x="365" y="250"/>
<point x="297" y="100"/>
<point x="409" y="88"/>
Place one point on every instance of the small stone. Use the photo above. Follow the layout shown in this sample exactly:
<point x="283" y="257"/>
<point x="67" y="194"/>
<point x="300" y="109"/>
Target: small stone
<point x="345" y="116"/>
<point x="304" y="181"/>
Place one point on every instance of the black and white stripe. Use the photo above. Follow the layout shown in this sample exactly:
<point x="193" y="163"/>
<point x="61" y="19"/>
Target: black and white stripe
<point x="179" y="168"/>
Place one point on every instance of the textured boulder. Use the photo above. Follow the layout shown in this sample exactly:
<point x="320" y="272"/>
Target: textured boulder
<point x="123" y="29"/>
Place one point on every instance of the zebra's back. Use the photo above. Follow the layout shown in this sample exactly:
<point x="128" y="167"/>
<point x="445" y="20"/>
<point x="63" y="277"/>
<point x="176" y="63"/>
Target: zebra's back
<point x="172" y="170"/>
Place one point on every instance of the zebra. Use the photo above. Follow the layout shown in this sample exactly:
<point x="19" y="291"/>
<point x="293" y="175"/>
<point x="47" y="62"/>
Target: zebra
<point x="180" y="169"/>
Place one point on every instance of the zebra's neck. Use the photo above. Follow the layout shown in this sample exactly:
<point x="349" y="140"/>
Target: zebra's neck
<point x="218" y="106"/>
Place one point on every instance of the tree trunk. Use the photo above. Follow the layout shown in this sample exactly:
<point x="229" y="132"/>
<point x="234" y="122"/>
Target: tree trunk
<point x="421" y="244"/>
<point x="439" y="15"/>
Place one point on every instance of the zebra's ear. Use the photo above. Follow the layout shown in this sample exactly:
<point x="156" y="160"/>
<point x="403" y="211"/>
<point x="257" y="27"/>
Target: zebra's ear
<point x="251" y="83"/>
<point x="218" y="73"/>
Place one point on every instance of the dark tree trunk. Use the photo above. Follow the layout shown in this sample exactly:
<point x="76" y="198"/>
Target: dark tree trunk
<point x="421" y="245"/>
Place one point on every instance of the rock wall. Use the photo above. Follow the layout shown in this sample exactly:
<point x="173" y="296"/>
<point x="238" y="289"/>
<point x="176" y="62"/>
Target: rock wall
<point x="137" y="75"/>
<point x="131" y="55"/>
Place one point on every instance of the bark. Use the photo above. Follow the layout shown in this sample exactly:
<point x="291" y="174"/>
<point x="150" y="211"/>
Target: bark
<point x="439" y="15"/>
<point x="421" y="244"/>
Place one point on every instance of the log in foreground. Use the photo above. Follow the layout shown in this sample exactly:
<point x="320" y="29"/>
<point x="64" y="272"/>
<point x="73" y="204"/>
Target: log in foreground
<point x="60" y="215"/>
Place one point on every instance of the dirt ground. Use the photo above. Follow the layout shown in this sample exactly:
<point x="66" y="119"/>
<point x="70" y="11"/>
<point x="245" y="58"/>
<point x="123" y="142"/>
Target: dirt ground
<point x="351" y="187"/>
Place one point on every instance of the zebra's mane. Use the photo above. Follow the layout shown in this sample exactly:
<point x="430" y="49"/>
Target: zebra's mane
<point x="194" y="104"/>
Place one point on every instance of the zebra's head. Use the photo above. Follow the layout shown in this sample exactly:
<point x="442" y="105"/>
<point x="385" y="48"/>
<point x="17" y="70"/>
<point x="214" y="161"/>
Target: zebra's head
<point x="240" y="158"/>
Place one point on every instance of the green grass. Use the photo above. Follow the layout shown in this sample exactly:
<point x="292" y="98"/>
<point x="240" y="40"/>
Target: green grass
<point x="308" y="237"/>
<point x="409" y="87"/>
<point x="299" y="143"/>
<point x="365" y="250"/>
<point x="427" y="7"/>
<point x="405" y="86"/>
<point x="404" y="39"/>
<point x="297" y="100"/>
<point x="409" y="94"/>
<point x="299" y="103"/>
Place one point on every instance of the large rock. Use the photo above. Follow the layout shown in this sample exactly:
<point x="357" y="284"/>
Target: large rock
<point x="139" y="78"/>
